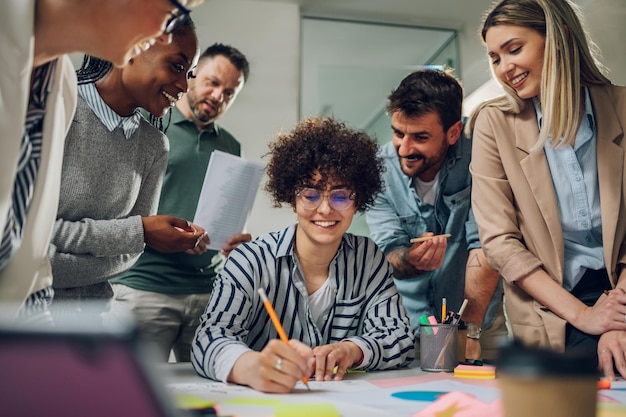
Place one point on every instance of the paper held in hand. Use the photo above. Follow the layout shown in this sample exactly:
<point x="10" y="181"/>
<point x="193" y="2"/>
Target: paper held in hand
<point x="228" y="192"/>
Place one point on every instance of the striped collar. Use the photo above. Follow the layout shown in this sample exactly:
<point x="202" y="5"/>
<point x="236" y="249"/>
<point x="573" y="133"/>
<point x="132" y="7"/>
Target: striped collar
<point x="107" y="115"/>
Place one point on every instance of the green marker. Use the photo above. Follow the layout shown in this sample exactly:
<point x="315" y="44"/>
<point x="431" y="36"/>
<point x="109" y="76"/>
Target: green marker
<point x="424" y="320"/>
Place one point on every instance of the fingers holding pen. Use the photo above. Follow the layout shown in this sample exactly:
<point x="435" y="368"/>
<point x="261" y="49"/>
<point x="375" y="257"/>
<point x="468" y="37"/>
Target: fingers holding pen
<point x="284" y="364"/>
<point x="427" y="252"/>
<point x="202" y="240"/>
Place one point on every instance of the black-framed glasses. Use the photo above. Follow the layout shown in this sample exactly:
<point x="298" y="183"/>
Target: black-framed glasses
<point x="177" y="17"/>
<point x="339" y="199"/>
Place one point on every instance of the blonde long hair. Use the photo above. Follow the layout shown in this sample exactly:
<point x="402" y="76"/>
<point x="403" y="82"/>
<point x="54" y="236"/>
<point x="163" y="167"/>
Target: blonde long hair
<point x="570" y="63"/>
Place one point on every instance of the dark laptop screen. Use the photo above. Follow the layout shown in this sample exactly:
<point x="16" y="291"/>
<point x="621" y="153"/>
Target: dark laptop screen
<point x="78" y="373"/>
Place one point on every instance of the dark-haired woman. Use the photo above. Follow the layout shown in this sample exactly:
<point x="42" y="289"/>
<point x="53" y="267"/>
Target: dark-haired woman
<point x="332" y="291"/>
<point x="113" y="166"/>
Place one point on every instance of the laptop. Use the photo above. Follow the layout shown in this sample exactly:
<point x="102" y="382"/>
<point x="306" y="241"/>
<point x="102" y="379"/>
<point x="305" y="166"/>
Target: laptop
<point x="78" y="370"/>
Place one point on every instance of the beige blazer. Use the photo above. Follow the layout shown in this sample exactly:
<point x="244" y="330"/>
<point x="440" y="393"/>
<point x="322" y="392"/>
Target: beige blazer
<point x="516" y="208"/>
<point x="29" y="270"/>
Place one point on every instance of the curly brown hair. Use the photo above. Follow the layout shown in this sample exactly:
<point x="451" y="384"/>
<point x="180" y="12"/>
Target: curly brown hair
<point x="327" y="147"/>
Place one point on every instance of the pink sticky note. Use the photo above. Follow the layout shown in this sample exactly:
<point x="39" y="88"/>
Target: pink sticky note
<point x="459" y="404"/>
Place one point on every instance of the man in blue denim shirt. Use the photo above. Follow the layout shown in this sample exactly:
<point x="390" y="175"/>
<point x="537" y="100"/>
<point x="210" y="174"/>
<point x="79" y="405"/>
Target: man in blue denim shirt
<point x="427" y="193"/>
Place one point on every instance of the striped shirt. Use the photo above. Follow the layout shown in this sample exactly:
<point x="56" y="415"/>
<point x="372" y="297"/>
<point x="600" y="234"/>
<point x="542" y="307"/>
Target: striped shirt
<point x="28" y="163"/>
<point x="42" y="82"/>
<point x="107" y="115"/>
<point x="366" y="308"/>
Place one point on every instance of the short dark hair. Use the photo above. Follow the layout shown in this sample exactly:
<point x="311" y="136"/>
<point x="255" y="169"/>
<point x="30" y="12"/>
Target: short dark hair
<point x="429" y="90"/>
<point x="331" y="148"/>
<point x="233" y="54"/>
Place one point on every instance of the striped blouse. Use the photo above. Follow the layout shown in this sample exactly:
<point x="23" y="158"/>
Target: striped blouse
<point x="367" y="308"/>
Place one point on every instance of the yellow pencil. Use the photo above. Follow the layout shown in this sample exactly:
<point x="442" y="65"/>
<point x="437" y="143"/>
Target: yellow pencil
<point x="444" y="311"/>
<point x="278" y="326"/>
<point x="425" y="238"/>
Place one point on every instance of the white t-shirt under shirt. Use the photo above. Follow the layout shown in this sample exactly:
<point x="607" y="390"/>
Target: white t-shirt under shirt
<point x="427" y="191"/>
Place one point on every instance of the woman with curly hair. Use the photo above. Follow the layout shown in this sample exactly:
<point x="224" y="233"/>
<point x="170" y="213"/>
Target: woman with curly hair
<point x="332" y="291"/>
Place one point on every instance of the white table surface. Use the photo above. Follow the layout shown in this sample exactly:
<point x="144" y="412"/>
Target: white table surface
<point x="350" y="397"/>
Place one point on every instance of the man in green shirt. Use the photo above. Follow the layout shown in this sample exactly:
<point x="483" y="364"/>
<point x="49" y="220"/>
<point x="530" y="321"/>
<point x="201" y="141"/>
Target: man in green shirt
<point x="167" y="293"/>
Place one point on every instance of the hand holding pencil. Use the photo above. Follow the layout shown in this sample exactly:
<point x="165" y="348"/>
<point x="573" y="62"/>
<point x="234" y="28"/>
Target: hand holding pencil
<point x="282" y="363"/>
<point x="426" y="252"/>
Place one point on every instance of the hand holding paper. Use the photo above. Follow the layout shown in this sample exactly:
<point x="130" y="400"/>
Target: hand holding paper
<point x="230" y="187"/>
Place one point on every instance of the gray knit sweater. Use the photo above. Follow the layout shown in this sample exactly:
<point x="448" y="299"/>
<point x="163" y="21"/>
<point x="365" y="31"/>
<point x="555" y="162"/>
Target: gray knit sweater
<point x="108" y="183"/>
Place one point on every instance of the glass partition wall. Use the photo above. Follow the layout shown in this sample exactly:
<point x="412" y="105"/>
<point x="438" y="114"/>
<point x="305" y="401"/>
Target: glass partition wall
<point x="349" y="68"/>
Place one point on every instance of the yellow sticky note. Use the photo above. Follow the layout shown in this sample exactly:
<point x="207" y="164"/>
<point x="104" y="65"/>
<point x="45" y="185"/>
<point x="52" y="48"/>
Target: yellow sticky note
<point x="610" y="410"/>
<point x="189" y="402"/>
<point x="305" y="410"/>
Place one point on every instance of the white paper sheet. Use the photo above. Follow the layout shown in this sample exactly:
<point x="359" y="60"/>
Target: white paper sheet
<point x="228" y="192"/>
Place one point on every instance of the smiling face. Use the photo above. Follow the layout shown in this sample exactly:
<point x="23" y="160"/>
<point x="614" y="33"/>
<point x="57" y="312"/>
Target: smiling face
<point x="323" y="226"/>
<point x="421" y="143"/>
<point x="157" y="78"/>
<point x="215" y="86"/>
<point x="516" y="55"/>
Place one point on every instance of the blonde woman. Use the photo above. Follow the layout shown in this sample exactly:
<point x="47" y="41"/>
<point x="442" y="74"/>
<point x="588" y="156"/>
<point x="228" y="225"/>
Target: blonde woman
<point x="548" y="181"/>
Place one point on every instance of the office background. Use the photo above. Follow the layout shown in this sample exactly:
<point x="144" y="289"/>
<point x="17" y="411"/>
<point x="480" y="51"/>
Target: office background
<point x="269" y="33"/>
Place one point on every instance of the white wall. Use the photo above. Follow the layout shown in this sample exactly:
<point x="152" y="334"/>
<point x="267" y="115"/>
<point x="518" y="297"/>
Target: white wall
<point x="606" y="21"/>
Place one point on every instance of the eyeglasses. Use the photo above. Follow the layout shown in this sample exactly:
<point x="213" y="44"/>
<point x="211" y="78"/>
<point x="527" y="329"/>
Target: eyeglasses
<point x="177" y="17"/>
<point x="340" y="199"/>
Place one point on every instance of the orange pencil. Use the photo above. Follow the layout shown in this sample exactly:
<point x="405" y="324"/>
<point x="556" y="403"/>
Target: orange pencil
<point x="278" y="326"/>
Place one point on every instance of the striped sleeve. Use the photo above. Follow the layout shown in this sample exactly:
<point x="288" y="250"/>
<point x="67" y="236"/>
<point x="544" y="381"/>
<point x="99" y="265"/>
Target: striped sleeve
<point x="384" y="328"/>
<point x="226" y="320"/>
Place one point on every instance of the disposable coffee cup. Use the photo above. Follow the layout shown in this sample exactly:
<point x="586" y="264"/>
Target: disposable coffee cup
<point x="439" y="347"/>
<point x="543" y="383"/>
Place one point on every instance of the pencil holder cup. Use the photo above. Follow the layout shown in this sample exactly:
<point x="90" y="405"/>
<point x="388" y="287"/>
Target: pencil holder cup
<point x="542" y="383"/>
<point x="439" y="347"/>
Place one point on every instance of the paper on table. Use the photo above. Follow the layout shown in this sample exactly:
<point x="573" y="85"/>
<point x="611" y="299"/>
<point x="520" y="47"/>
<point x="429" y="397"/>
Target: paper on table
<point x="228" y="193"/>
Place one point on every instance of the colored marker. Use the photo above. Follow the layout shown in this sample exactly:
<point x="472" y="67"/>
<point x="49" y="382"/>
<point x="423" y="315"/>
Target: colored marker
<point x="424" y="320"/>
<point x="456" y="317"/>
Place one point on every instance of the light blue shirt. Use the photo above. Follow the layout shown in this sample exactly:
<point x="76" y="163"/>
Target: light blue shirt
<point x="107" y="115"/>
<point x="574" y="172"/>
<point x="398" y="215"/>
